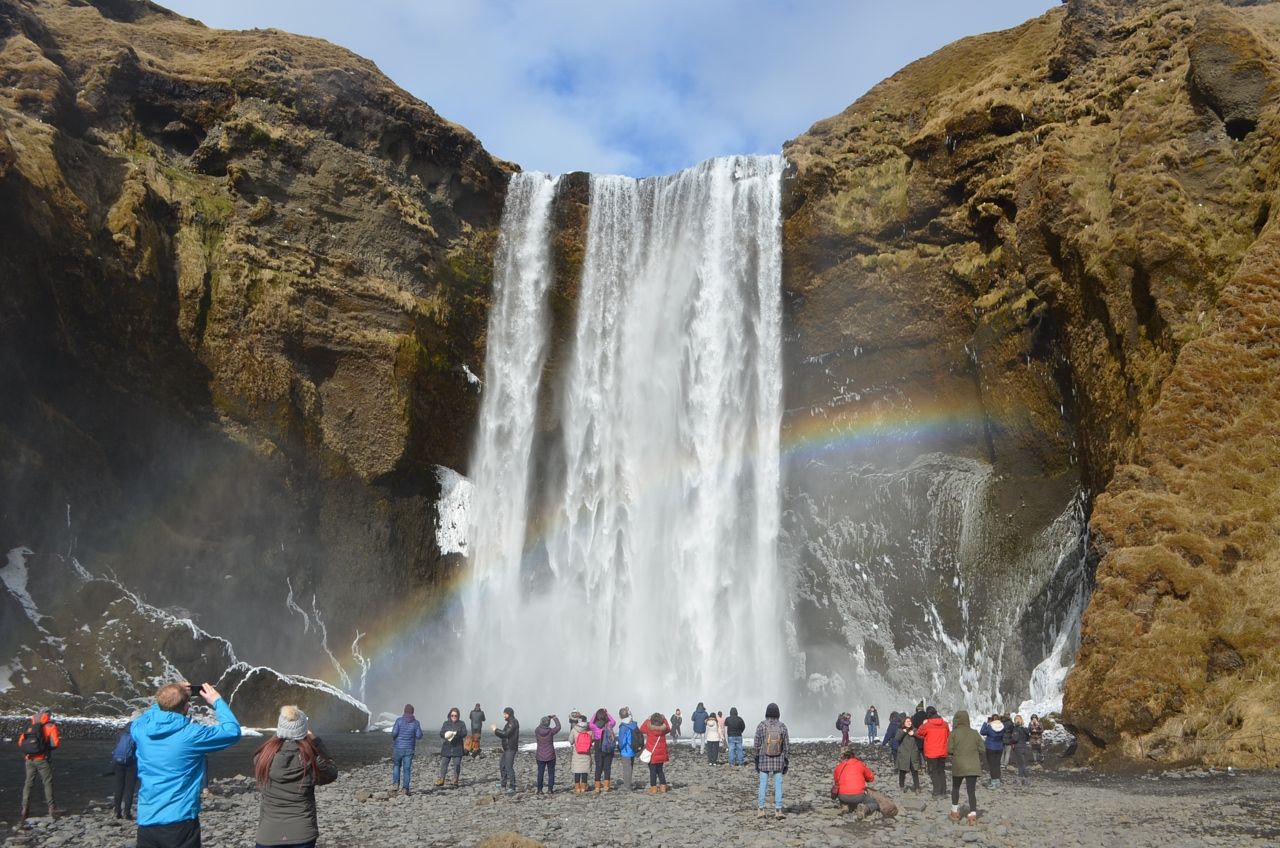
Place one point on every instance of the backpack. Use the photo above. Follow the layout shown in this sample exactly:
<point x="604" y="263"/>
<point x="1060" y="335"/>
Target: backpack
<point x="608" y="741"/>
<point x="34" y="742"/>
<point x="773" y="743"/>
<point x="125" y="748"/>
<point x="582" y="743"/>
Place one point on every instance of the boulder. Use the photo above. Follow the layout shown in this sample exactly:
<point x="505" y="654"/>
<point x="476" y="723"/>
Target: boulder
<point x="256" y="693"/>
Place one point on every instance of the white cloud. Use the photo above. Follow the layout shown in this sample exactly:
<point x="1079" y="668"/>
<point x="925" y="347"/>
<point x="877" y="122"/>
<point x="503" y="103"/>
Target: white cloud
<point x="635" y="87"/>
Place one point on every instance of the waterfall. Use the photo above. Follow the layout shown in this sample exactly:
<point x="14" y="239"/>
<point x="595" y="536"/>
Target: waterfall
<point x="630" y="556"/>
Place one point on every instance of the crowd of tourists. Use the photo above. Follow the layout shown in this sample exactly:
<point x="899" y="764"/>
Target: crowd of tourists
<point x="163" y="753"/>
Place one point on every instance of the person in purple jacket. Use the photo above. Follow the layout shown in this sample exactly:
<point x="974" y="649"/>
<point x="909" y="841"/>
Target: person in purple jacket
<point x="545" y="736"/>
<point x="405" y="734"/>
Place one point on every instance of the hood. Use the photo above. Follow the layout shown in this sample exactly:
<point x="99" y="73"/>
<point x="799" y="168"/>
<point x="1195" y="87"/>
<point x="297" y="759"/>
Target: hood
<point x="962" y="719"/>
<point x="546" y="722"/>
<point x="733" y="711"/>
<point x="997" y="725"/>
<point x="156" y="723"/>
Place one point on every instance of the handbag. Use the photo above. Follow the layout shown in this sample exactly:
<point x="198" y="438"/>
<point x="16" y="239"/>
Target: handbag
<point x="646" y="755"/>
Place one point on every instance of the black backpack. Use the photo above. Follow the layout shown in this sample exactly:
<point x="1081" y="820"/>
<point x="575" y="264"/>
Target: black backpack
<point x="33" y="740"/>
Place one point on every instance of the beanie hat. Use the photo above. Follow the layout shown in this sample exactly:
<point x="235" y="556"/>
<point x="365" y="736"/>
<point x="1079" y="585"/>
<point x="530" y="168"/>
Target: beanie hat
<point x="292" y="723"/>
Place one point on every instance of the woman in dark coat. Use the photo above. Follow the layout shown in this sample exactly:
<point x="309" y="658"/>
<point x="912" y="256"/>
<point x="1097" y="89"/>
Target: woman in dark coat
<point x="454" y="734"/>
<point x="288" y="768"/>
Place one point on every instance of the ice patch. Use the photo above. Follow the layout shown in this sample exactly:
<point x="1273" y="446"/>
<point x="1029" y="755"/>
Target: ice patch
<point x="14" y="577"/>
<point x="471" y="376"/>
<point x="453" y="511"/>
<point x="6" y="675"/>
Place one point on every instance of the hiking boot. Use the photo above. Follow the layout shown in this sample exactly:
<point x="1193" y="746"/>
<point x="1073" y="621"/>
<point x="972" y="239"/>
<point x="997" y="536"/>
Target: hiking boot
<point x="599" y="789"/>
<point x="439" y="781"/>
<point x="760" y="813"/>
<point x="954" y="815"/>
<point x="25" y="814"/>
<point x="973" y="818"/>
<point x="456" y="780"/>
<point x="53" y="811"/>
<point x="653" y="790"/>
<point x="662" y="787"/>
<point x="607" y="787"/>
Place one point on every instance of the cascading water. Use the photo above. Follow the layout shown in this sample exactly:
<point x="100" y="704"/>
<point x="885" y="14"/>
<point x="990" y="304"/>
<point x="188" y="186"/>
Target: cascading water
<point x="639" y="564"/>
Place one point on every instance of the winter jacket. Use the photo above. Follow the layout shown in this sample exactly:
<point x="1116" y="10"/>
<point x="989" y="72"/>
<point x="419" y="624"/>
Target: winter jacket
<point x="597" y="730"/>
<point x="933" y="737"/>
<point x="629" y="742"/>
<point x="993" y="733"/>
<point x="906" y="756"/>
<point x="700" y="719"/>
<point x="713" y="729"/>
<point x="872" y="719"/>
<point x="1036" y="731"/>
<point x="453" y="747"/>
<point x="1007" y="738"/>
<point x="891" y="734"/>
<point x="52" y="738"/>
<point x="405" y="733"/>
<point x="735" y="725"/>
<point x="965" y="747"/>
<point x="171" y="760"/>
<point x="779" y="762"/>
<point x="477" y="721"/>
<point x="677" y="721"/>
<point x="509" y="734"/>
<point x="655" y="741"/>
<point x="1020" y="737"/>
<point x="545" y="737"/>
<point x="288" y="807"/>
<point x="842" y="723"/>
<point x="852" y="776"/>
<point x="579" y="763"/>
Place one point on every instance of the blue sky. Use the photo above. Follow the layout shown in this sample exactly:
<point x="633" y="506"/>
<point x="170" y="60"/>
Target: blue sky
<point x="635" y="88"/>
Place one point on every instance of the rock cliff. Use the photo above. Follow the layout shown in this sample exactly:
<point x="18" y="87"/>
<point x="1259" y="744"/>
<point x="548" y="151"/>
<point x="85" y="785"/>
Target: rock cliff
<point x="243" y="290"/>
<point x="1051" y="251"/>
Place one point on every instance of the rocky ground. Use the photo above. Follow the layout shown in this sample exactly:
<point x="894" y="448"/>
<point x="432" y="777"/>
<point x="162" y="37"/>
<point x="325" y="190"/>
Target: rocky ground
<point x="716" y="806"/>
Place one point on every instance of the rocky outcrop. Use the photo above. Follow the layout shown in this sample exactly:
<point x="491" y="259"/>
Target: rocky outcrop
<point x="1043" y="238"/>
<point x="243" y="277"/>
<point x="255" y="695"/>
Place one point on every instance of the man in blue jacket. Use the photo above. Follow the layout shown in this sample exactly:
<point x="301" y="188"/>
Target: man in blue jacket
<point x="405" y="734"/>
<point x="171" y="750"/>
<point x="699" y="726"/>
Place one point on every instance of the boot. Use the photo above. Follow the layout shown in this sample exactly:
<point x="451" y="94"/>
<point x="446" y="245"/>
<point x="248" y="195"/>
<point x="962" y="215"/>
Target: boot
<point x="599" y="787"/>
<point x="607" y="788"/>
<point x="663" y="788"/>
<point x="439" y="781"/>
<point x="456" y="779"/>
<point x="52" y="810"/>
<point x="653" y="790"/>
<point x="25" y="814"/>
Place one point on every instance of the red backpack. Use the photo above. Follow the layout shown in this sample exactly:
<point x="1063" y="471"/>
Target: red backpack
<point x="582" y="743"/>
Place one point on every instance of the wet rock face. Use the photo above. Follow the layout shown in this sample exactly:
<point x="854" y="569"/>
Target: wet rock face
<point x="242" y="274"/>
<point x="255" y="695"/>
<point x="1008" y="253"/>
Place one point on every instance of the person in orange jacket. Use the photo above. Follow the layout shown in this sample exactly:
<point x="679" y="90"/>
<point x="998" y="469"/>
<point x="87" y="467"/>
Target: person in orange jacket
<point x="849" y="784"/>
<point x="933" y="736"/>
<point x="37" y="743"/>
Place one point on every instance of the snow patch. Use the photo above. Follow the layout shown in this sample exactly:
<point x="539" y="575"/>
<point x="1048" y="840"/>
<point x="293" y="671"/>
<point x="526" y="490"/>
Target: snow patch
<point x="453" y="511"/>
<point x="14" y="576"/>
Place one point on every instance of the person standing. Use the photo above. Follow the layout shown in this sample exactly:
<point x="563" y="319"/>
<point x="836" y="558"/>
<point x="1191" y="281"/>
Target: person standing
<point x="699" y="727"/>
<point x="735" y="726"/>
<point x="1036" y="730"/>
<point x="966" y="749"/>
<point x="712" y="739"/>
<point x="604" y="743"/>
<point x="510" y="736"/>
<point x="124" y="764"/>
<point x="724" y="731"/>
<point x="37" y="744"/>
<point x="172" y="753"/>
<point x="288" y="768"/>
<point x="907" y="755"/>
<point x="872" y="721"/>
<point x="993" y="732"/>
<point x="544" y="736"/>
<point x="842" y="724"/>
<point x="677" y="721"/>
<point x="477" y="727"/>
<point x="849" y="783"/>
<point x="933" y="745"/>
<point x="1007" y="739"/>
<point x="453" y="734"/>
<point x="1021" y="739"/>
<point x="580" y="760"/>
<point x="629" y="746"/>
<point x="773" y="757"/>
<point x="655" y="732"/>
<point x="891" y="732"/>
<point x="405" y="734"/>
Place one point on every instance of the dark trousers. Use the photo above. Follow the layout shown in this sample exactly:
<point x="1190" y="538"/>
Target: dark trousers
<point x="657" y="775"/>
<point x="937" y="767"/>
<point x="993" y="764"/>
<point x="851" y="801"/>
<point x="970" y="785"/>
<point x="126" y="783"/>
<point x="549" y="769"/>
<point x="311" y="844"/>
<point x="915" y="779"/>
<point x="457" y="767"/>
<point x="508" y="769"/>
<point x="713" y="752"/>
<point x="604" y="766"/>
<point x="183" y="834"/>
<point x="1020" y="760"/>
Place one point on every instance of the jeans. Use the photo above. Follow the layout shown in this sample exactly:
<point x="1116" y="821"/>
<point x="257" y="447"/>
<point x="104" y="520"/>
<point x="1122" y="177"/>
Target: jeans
<point x="549" y="767"/>
<point x="604" y="765"/>
<point x="507" y="770"/>
<point x="937" y="768"/>
<point x="126" y="783"/>
<point x="444" y="766"/>
<point x="777" y="789"/>
<point x="993" y="764"/>
<point x="970" y="783"/>
<point x="713" y="752"/>
<point x="657" y="775"/>
<point x="699" y="739"/>
<point x="871" y="734"/>
<point x="865" y="799"/>
<point x="45" y="771"/>
<point x="735" y="750"/>
<point x="401" y="760"/>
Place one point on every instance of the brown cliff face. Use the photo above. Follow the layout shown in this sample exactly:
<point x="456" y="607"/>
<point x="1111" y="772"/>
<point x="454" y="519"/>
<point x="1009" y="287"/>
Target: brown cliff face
<point x="241" y="274"/>
<point x="1056" y="229"/>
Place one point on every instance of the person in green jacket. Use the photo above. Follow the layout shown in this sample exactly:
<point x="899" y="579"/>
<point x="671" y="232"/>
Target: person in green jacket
<point x="966" y="749"/>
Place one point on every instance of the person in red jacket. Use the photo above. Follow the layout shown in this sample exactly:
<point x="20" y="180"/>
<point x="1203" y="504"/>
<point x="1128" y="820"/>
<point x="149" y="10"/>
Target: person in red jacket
<point x="655" y="732"/>
<point x="44" y="738"/>
<point x="849" y="785"/>
<point x="933" y="736"/>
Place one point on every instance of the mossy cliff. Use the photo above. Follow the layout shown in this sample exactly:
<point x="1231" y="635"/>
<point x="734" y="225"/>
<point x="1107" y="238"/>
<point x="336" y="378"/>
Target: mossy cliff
<point x="242" y="278"/>
<point x="1065" y="232"/>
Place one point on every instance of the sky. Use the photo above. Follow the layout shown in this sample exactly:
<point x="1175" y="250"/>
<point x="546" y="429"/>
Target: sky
<point x="638" y="88"/>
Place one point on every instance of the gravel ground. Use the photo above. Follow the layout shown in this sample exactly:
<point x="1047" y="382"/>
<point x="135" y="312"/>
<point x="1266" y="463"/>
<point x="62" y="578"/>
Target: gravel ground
<point x="715" y="806"/>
